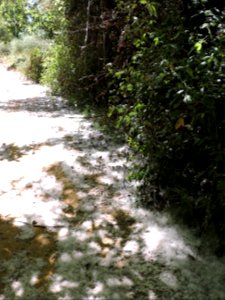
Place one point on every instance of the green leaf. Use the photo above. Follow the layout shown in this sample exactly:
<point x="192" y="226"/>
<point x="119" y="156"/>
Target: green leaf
<point x="130" y="87"/>
<point x="111" y="110"/>
<point x="127" y="119"/>
<point x="152" y="9"/>
<point x="156" y="41"/>
<point x="139" y="106"/>
<point x="198" y="46"/>
<point x="119" y="74"/>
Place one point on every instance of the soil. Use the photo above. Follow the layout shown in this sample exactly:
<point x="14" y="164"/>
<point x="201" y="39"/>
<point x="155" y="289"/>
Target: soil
<point x="70" y="226"/>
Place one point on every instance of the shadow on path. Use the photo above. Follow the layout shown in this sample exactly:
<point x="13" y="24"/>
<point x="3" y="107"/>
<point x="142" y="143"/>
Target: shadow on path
<point x="69" y="228"/>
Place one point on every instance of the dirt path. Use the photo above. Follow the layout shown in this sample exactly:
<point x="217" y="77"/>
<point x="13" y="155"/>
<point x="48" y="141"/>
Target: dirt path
<point x="69" y="227"/>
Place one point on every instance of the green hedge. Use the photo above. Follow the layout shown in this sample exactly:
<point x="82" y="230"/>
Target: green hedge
<point x="170" y="97"/>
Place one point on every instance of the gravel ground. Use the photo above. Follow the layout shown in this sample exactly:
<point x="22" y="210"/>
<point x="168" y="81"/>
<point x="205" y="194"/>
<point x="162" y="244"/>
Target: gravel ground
<point x="69" y="226"/>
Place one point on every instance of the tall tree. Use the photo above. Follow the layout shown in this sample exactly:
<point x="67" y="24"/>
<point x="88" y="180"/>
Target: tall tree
<point x="15" y="16"/>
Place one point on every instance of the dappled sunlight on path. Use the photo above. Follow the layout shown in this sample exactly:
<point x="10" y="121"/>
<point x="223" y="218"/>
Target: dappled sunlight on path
<point x="69" y="226"/>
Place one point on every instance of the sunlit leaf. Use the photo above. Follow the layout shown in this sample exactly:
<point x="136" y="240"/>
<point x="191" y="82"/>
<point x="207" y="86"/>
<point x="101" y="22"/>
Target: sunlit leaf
<point x="152" y="9"/>
<point x="130" y="87"/>
<point x="180" y="123"/>
<point x="198" y="45"/>
<point x="143" y="1"/>
<point x="119" y="74"/>
<point x="156" y="41"/>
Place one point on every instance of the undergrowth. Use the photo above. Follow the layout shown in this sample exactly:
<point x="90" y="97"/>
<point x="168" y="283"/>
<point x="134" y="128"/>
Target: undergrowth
<point x="26" y="54"/>
<point x="170" y="100"/>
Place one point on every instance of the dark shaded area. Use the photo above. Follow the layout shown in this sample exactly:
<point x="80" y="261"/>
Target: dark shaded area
<point x="170" y="101"/>
<point x="42" y="245"/>
<point x="57" y="107"/>
<point x="10" y="152"/>
<point x="46" y="104"/>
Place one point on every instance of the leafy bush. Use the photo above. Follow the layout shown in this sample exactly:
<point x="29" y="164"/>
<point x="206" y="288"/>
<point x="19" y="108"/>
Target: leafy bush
<point x="34" y="67"/>
<point x="27" y="54"/>
<point x="75" y="66"/>
<point x="27" y="43"/>
<point x="170" y="98"/>
<point x="59" y="68"/>
<point x="5" y="33"/>
<point x="4" y="49"/>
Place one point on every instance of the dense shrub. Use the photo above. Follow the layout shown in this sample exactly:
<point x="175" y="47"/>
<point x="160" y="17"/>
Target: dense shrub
<point x="4" y="49"/>
<point x="75" y="66"/>
<point x="27" y="55"/>
<point x="59" y="69"/>
<point x="34" y="67"/>
<point x="23" y="44"/>
<point x="170" y="98"/>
